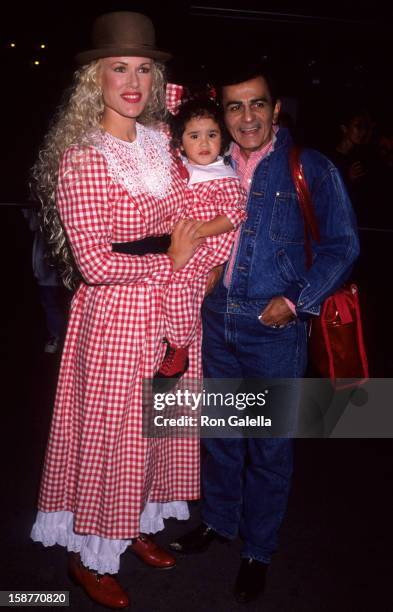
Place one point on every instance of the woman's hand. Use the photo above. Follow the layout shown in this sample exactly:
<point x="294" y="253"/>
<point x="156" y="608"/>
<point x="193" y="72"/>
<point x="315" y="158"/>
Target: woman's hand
<point x="183" y="242"/>
<point x="198" y="227"/>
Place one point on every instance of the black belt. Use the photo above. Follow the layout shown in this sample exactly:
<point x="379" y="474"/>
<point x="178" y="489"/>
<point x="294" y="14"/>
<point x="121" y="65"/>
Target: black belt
<point x="151" y="244"/>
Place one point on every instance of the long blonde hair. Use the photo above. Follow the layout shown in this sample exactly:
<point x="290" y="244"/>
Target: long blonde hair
<point x="79" y="115"/>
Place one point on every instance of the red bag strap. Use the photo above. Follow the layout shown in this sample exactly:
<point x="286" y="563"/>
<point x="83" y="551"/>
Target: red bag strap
<point x="362" y="347"/>
<point x="311" y="227"/>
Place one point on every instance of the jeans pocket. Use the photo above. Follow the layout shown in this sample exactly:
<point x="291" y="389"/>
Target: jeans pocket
<point x="277" y="328"/>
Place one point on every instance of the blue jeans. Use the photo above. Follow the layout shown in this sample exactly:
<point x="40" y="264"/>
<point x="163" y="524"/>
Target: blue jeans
<point x="246" y="481"/>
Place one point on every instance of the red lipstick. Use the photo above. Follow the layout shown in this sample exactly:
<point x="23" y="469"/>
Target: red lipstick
<point x="132" y="98"/>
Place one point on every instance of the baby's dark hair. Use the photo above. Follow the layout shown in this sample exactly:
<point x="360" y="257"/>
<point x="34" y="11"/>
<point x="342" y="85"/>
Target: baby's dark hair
<point x="199" y="107"/>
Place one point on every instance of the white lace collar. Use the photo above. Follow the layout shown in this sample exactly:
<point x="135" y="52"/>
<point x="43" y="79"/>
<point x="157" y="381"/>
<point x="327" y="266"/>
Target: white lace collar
<point x="141" y="166"/>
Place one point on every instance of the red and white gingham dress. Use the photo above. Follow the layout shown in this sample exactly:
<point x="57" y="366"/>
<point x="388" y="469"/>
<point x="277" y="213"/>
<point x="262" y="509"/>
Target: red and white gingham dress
<point x="98" y="466"/>
<point x="218" y="196"/>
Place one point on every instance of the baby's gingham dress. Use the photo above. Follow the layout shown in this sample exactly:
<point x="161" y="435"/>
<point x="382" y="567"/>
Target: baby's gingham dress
<point x="98" y="466"/>
<point x="183" y="299"/>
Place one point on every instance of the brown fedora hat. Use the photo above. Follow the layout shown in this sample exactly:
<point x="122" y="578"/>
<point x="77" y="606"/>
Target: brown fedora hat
<point x="122" y="34"/>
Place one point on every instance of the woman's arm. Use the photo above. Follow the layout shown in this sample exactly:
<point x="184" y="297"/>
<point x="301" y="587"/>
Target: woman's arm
<point x="82" y="200"/>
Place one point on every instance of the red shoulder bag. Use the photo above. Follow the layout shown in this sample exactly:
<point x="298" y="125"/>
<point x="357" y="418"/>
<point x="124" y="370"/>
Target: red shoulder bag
<point x="336" y="342"/>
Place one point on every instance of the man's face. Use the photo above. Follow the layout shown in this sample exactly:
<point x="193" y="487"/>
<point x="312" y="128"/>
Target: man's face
<point x="249" y="113"/>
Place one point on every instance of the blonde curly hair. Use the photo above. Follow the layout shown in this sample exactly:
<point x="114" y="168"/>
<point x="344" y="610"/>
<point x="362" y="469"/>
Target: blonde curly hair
<point x="75" y="119"/>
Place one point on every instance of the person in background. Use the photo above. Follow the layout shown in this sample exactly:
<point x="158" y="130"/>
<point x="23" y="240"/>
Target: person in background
<point x="54" y="297"/>
<point x="381" y="174"/>
<point x="352" y="155"/>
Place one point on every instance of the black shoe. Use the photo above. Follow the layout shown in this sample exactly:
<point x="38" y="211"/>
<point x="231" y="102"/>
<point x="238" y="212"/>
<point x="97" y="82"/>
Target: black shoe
<point x="250" y="581"/>
<point x="195" y="541"/>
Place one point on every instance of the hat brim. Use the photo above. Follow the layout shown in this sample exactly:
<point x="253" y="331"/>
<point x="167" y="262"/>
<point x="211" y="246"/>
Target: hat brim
<point x="85" y="57"/>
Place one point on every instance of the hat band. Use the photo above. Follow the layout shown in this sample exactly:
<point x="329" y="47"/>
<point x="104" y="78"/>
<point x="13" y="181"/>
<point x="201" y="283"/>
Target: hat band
<point x="124" y="44"/>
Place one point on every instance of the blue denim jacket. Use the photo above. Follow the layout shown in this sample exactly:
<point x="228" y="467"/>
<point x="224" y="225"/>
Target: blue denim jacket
<point x="271" y="259"/>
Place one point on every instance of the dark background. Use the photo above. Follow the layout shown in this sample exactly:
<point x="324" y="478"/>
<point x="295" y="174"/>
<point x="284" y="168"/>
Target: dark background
<point x="324" y="53"/>
<point x="335" y="545"/>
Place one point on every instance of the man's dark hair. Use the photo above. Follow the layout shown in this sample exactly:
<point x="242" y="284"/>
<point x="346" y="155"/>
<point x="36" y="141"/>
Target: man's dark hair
<point x="239" y="72"/>
<point x="200" y="107"/>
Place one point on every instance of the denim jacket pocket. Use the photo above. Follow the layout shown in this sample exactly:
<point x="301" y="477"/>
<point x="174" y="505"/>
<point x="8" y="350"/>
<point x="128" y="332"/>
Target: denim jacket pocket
<point x="287" y="270"/>
<point x="287" y="221"/>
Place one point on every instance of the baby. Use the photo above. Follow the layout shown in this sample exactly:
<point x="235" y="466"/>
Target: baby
<point x="217" y="201"/>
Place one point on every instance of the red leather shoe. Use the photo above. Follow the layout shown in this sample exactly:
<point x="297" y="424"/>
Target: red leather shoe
<point x="175" y="364"/>
<point x="103" y="589"/>
<point x="152" y="554"/>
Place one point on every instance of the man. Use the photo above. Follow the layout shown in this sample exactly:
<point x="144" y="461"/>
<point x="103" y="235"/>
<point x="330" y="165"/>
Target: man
<point x="255" y="320"/>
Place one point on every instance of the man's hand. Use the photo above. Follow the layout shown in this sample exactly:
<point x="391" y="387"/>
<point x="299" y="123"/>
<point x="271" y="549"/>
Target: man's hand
<point x="276" y="313"/>
<point x="213" y="278"/>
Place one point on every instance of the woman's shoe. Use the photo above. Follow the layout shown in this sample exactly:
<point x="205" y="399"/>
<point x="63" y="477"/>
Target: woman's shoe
<point x="103" y="589"/>
<point x="152" y="554"/>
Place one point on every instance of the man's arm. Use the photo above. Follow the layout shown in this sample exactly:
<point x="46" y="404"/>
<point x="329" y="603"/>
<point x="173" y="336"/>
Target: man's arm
<point x="333" y="256"/>
<point x="338" y="248"/>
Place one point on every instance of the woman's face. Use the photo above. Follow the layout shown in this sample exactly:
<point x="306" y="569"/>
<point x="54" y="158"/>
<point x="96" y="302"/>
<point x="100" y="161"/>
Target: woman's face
<point x="126" y="84"/>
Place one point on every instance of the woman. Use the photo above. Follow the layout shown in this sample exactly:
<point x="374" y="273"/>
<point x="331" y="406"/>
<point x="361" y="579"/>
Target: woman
<point x="103" y="482"/>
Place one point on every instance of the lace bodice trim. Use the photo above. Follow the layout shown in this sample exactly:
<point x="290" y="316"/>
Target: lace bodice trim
<point x="141" y="166"/>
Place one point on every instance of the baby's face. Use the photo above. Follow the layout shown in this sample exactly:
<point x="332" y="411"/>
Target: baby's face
<point x="201" y="141"/>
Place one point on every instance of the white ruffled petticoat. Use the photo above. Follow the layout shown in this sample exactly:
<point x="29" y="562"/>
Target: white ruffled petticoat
<point x="101" y="554"/>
